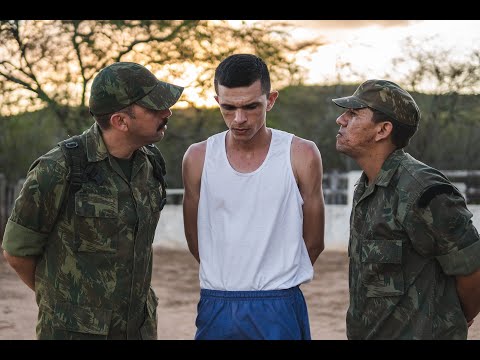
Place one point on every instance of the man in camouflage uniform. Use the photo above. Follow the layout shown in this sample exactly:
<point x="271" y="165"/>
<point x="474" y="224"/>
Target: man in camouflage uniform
<point x="414" y="253"/>
<point x="88" y="254"/>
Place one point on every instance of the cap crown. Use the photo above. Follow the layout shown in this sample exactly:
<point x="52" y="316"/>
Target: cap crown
<point x="385" y="96"/>
<point x="120" y="85"/>
<point x="390" y="99"/>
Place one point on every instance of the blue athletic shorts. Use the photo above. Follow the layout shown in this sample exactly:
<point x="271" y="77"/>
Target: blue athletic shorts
<point x="252" y="315"/>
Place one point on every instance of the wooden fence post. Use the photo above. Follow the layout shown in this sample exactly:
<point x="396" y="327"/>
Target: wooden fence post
<point x="3" y="205"/>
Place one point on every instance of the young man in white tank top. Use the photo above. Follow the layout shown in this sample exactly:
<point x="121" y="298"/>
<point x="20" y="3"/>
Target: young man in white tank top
<point x="253" y="214"/>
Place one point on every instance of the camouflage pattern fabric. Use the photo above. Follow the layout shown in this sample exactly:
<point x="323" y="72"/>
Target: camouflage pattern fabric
<point x="124" y="83"/>
<point x="404" y="257"/>
<point x="94" y="249"/>
<point x="385" y="96"/>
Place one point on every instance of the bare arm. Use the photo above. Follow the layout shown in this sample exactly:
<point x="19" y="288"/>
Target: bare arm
<point x="308" y="170"/>
<point x="192" y="167"/>
<point x="24" y="266"/>
<point x="468" y="289"/>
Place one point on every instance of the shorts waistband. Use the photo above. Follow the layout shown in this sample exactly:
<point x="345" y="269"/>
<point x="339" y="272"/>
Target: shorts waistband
<point x="254" y="294"/>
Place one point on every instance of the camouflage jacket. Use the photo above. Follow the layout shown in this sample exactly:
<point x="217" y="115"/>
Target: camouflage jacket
<point x="410" y="234"/>
<point x="94" y="248"/>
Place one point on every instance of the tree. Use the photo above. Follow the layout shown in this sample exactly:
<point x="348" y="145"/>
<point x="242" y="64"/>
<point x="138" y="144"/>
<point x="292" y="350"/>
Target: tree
<point x="52" y="63"/>
<point x="23" y="140"/>
<point x="443" y="69"/>
<point x="446" y="74"/>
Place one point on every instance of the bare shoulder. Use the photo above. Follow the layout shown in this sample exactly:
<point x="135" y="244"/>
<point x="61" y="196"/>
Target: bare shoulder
<point x="195" y="152"/>
<point x="306" y="160"/>
<point x="192" y="164"/>
<point x="303" y="149"/>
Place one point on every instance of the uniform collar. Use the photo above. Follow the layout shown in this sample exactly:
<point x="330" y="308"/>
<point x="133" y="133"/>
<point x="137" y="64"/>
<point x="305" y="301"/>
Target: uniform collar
<point x="96" y="149"/>
<point x="146" y="149"/>
<point x="389" y="167"/>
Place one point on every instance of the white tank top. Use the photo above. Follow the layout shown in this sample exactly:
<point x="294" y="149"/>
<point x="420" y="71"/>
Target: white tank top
<point x="250" y="225"/>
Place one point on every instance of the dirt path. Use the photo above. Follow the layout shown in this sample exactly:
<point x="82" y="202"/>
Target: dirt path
<point x="175" y="280"/>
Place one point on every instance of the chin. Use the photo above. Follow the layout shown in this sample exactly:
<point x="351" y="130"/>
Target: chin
<point x="340" y="149"/>
<point x="161" y="132"/>
<point x="156" y="138"/>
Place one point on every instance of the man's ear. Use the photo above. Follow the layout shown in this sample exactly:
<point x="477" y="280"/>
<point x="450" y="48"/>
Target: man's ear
<point x="384" y="129"/>
<point x="271" y="99"/>
<point x="117" y="121"/>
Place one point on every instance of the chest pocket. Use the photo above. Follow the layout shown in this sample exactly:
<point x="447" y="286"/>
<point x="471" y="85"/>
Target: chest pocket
<point x="96" y="222"/>
<point x="382" y="267"/>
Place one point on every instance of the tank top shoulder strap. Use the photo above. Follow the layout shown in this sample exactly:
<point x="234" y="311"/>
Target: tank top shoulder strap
<point x="281" y="142"/>
<point x="215" y="146"/>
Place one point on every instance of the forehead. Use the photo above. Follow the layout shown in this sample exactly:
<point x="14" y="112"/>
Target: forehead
<point x="362" y="111"/>
<point x="241" y="95"/>
<point x="139" y="110"/>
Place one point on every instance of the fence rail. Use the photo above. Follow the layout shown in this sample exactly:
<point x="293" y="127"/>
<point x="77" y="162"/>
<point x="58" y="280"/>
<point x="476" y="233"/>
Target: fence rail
<point x="337" y="189"/>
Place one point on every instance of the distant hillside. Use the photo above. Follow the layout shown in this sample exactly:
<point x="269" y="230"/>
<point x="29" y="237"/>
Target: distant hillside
<point x="448" y="136"/>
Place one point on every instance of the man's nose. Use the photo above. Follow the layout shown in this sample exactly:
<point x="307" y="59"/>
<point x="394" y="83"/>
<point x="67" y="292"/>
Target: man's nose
<point x="166" y="113"/>
<point x="341" y="120"/>
<point x="240" y="116"/>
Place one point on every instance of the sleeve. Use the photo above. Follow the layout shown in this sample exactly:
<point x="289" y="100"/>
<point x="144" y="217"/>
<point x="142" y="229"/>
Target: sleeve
<point x="442" y="228"/>
<point x="36" y="209"/>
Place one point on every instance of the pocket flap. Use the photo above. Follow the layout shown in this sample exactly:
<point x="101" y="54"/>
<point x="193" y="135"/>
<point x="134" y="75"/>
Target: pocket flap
<point x="382" y="251"/>
<point x="96" y="205"/>
<point x="83" y="319"/>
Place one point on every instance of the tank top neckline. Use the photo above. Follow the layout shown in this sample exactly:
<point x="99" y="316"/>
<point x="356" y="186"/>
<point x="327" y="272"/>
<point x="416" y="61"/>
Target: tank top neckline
<point x="262" y="165"/>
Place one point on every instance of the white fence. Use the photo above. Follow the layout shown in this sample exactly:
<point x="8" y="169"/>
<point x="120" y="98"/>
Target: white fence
<point x="170" y="231"/>
<point x="338" y="187"/>
<point x="338" y="191"/>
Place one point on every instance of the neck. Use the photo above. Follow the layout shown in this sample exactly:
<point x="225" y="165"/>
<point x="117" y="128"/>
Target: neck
<point x="117" y="144"/>
<point x="372" y="162"/>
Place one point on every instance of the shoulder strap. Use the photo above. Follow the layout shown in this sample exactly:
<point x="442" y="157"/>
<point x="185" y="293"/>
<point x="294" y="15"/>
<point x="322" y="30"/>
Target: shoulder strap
<point x="159" y="170"/>
<point x="80" y="169"/>
<point x="76" y="158"/>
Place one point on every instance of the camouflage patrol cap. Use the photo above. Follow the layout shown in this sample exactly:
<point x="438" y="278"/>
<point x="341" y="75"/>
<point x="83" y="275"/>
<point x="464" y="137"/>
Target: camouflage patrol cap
<point x="124" y="83"/>
<point x="385" y="96"/>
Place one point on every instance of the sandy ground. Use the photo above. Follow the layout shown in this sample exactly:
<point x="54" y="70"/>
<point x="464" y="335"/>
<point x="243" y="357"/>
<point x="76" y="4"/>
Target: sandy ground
<point x="175" y="281"/>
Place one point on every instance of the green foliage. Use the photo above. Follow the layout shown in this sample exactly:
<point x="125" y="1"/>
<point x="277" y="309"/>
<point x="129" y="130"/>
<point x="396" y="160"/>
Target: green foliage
<point x="186" y="127"/>
<point x="447" y="137"/>
<point x="308" y="112"/>
<point x="52" y="63"/>
<point x="23" y="139"/>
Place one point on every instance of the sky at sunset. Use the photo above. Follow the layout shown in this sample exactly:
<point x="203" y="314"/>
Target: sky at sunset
<point x="370" y="45"/>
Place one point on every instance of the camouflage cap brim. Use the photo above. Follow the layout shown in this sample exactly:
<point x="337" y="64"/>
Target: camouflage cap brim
<point x="163" y="96"/>
<point x="350" y="102"/>
<point x="384" y="96"/>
